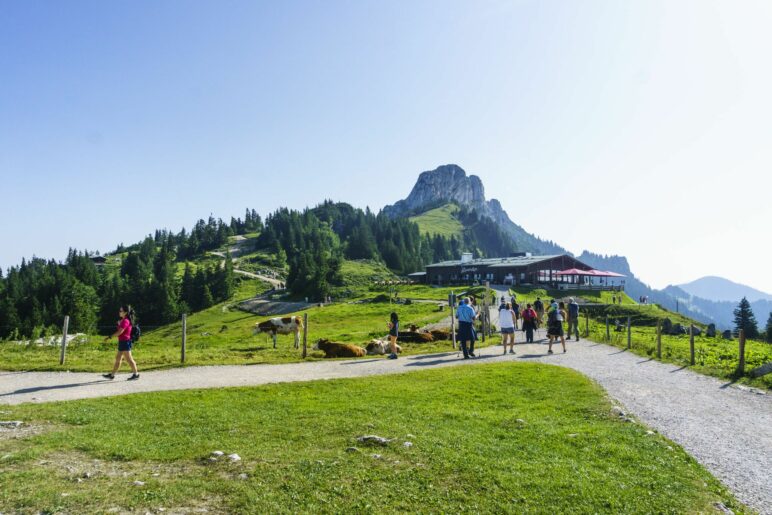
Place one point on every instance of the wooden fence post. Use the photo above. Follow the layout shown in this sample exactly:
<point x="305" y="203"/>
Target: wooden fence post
<point x="608" y="333"/>
<point x="659" y="338"/>
<point x="691" y="344"/>
<point x="184" y="337"/>
<point x="741" y="363"/>
<point x="629" y="334"/>
<point x="452" y="306"/>
<point x="65" y="327"/>
<point x="305" y="334"/>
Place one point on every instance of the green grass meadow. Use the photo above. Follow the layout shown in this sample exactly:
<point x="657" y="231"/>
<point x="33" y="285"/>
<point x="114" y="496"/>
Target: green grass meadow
<point x="222" y="335"/>
<point x="440" y="221"/>
<point x="499" y="438"/>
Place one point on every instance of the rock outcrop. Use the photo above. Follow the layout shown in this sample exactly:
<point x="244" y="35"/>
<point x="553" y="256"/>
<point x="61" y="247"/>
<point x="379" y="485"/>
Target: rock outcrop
<point x="450" y="183"/>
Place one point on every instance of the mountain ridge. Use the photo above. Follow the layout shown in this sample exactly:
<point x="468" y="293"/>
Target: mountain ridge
<point x="715" y="288"/>
<point x="450" y="183"/>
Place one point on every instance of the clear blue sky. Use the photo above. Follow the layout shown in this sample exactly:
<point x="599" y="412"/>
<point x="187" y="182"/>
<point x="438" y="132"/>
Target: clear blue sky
<point x="638" y="128"/>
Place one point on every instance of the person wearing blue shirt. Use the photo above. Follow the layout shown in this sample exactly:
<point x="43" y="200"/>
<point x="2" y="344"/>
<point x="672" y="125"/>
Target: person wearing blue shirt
<point x="466" y="315"/>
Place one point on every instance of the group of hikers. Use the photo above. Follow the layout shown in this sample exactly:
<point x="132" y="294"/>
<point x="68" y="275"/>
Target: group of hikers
<point x="510" y="316"/>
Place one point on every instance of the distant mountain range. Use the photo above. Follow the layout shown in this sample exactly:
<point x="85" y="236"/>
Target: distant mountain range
<point x="720" y="289"/>
<point x="710" y="299"/>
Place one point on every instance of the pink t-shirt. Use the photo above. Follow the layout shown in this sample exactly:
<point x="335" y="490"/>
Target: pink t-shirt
<point x="125" y="325"/>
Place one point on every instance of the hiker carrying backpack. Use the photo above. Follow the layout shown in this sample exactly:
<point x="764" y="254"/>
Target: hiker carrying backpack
<point x="136" y="333"/>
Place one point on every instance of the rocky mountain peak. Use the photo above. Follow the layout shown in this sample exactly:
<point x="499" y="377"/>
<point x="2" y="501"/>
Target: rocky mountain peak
<point x="450" y="183"/>
<point x="446" y="183"/>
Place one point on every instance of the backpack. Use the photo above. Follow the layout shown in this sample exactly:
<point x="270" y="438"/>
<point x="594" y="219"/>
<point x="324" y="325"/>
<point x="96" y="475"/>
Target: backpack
<point x="552" y="316"/>
<point x="136" y="332"/>
<point x="573" y="310"/>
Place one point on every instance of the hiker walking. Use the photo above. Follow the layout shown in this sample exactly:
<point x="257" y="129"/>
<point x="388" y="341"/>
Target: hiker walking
<point x="507" y="326"/>
<point x="393" y="326"/>
<point x="529" y="323"/>
<point x="516" y="310"/>
<point x="126" y="328"/>
<point x="573" y="318"/>
<point x="555" y="318"/>
<point x="538" y="306"/>
<point x="466" y="315"/>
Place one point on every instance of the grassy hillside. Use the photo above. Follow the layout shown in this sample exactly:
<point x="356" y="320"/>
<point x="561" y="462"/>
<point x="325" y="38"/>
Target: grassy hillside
<point x="222" y="334"/>
<point x="497" y="438"/>
<point x="440" y="221"/>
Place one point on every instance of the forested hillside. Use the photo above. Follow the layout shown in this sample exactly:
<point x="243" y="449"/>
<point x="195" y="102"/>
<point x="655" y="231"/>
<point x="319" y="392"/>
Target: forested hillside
<point x="170" y="273"/>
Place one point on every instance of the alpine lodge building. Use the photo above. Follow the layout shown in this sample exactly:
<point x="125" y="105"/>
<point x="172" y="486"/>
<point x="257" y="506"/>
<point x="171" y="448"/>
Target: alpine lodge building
<point x="559" y="272"/>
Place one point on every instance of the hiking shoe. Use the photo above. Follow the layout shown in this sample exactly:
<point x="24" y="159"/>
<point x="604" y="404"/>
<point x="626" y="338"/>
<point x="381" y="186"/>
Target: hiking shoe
<point x="108" y="376"/>
<point x="549" y="351"/>
<point x="392" y="356"/>
<point x="472" y="355"/>
<point x="133" y="377"/>
<point x="511" y="351"/>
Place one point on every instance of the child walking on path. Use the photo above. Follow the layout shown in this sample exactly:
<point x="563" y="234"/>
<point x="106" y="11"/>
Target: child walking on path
<point x="393" y="335"/>
<point x="124" y="343"/>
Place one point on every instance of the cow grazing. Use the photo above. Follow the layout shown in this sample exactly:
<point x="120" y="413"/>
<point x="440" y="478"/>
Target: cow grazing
<point x="339" y="350"/>
<point x="284" y="325"/>
<point x="375" y="347"/>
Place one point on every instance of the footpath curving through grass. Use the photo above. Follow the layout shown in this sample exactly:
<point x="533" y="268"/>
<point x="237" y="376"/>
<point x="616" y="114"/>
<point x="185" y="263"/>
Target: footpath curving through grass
<point x="713" y="356"/>
<point x="500" y="438"/>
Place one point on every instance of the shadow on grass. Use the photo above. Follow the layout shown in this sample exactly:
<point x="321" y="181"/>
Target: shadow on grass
<point x="248" y="349"/>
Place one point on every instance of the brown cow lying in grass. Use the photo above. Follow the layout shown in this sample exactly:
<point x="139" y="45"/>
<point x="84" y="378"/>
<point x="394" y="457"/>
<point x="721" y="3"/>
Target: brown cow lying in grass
<point x="339" y="350"/>
<point x="440" y="334"/>
<point x="415" y="337"/>
<point x="376" y="347"/>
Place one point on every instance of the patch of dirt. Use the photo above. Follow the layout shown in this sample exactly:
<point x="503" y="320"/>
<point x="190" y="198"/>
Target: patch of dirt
<point x="23" y="431"/>
<point x="79" y="468"/>
<point x="264" y="307"/>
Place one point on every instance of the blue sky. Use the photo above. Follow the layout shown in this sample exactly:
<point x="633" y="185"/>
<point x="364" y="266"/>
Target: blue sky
<point x="636" y="128"/>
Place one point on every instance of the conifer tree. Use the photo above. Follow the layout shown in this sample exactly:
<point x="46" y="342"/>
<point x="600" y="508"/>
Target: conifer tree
<point x="744" y="319"/>
<point x="188" y="289"/>
<point x="769" y="329"/>
<point x="206" y="298"/>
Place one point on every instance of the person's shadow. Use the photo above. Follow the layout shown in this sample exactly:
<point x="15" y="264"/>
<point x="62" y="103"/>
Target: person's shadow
<point x="53" y="387"/>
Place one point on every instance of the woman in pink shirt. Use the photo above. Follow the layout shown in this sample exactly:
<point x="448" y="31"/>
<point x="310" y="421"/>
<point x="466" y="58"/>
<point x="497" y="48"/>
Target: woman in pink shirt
<point x="124" y="343"/>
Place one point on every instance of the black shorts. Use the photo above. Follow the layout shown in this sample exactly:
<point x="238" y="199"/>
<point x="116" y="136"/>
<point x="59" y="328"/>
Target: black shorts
<point x="125" y="346"/>
<point x="555" y="329"/>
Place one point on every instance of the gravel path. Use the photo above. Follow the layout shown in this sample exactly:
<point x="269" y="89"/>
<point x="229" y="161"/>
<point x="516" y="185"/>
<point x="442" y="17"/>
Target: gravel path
<point x="725" y="427"/>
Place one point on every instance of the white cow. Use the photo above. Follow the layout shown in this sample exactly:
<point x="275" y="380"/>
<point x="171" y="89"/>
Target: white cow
<point x="284" y="325"/>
